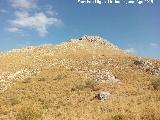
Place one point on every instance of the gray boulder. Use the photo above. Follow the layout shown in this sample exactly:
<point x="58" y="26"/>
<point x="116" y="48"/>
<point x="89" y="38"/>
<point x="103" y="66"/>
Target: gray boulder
<point x="103" y="95"/>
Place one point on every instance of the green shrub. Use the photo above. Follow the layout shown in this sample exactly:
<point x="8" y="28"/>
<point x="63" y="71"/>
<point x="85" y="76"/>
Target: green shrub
<point x="118" y="117"/>
<point x="90" y="84"/>
<point x="28" y="113"/>
<point x="80" y="87"/>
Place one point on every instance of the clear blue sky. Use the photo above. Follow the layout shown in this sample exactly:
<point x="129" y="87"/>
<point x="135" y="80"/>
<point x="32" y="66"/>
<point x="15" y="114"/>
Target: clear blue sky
<point x="132" y="27"/>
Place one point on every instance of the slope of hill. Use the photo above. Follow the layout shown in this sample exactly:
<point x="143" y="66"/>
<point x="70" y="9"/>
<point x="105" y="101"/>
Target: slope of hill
<point x="62" y="82"/>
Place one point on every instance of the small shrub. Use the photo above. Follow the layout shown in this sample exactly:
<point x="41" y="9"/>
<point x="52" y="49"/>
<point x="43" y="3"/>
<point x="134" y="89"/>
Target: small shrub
<point x="88" y="84"/>
<point x="92" y="85"/>
<point x="59" y="77"/>
<point x="118" y="117"/>
<point x="28" y="113"/>
<point x="45" y="104"/>
<point x="14" y="101"/>
<point x="156" y="84"/>
<point x="80" y="87"/>
<point x="27" y="80"/>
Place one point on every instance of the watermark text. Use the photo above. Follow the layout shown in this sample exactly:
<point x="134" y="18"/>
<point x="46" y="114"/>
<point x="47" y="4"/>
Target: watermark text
<point x="116" y="1"/>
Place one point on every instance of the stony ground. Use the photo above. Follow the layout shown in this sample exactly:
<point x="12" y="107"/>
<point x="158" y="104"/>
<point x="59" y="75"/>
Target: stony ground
<point x="84" y="79"/>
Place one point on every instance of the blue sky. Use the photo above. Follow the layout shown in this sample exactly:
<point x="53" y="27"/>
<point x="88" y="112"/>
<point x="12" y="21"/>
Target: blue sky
<point x="133" y="27"/>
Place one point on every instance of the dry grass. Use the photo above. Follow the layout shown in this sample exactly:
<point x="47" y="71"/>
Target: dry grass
<point x="28" y="112"/>
<point x="60" y="90"/>
<point x="156" y="84"/>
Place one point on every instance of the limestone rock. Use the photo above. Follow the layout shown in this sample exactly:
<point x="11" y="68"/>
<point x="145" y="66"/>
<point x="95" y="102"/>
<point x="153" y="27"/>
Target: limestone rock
<point x="103" y="95"/>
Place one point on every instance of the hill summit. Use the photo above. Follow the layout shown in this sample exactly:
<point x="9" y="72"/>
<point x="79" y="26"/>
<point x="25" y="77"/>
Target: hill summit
<point x="95" y="40"/>
<point x="85" y="78"/>
<point x="83" y="42"/>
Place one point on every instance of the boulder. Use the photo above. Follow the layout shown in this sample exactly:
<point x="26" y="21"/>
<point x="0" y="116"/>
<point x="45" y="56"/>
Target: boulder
<point x="103" y="95"/>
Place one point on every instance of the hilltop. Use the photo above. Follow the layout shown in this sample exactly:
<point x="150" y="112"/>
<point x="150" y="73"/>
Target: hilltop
<point x="65" y="81"/>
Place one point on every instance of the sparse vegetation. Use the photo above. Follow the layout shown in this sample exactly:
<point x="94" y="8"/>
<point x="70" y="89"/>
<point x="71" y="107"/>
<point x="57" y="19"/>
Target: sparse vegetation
<point x="59" y="77"/>
<point x="156" y="84"/>
<point x="79" y="87"/>
<point x="90" y="84"/>
<point x="118" y="117"/>
<point x="28" y="113"/>
<point x="14" y="101"/>
<point x="27" y="80"/>
<point x="63" y="80"/>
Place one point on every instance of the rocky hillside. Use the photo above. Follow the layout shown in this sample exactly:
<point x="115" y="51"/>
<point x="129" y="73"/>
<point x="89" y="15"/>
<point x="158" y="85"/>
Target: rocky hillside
<point x="83" y="79"/>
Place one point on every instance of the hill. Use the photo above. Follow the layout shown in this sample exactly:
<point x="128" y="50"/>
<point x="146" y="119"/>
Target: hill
<point x="83" y="79"/>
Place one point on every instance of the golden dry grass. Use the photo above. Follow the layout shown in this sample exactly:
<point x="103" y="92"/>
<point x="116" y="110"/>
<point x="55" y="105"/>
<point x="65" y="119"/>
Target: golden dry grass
<point x="60" y="90"/>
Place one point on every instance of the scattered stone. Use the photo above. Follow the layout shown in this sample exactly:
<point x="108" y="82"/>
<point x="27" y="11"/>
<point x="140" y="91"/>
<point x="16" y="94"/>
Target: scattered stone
<point x="148" y="67"/>
<point x="136" y="62"/>
<point x="156" y="71"/>
<point x="98" y="40"/>
<point x="103" y="95"/>
<point x="103" y="76"/>
<point x="148" y="63"/>
<point x="52" y="56"/>
<point x="7" y="78"/>
<point x="143" y="63"/>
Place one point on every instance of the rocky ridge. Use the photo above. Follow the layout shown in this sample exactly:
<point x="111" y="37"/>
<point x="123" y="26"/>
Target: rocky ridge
<point x="88" y="44"/>
<point x="86" y="78"/>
